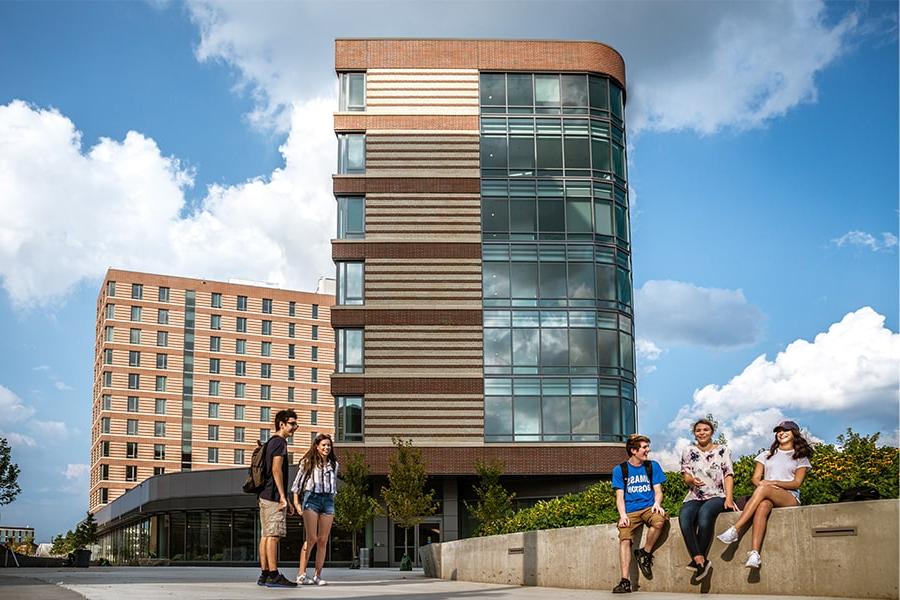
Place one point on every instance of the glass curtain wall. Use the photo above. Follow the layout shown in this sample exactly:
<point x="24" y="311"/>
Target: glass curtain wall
<point x="558" y="329"/>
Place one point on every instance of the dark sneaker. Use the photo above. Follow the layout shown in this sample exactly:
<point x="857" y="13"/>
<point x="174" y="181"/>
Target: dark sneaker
<point x="645" y="562"/>
<point x="263" y="577"/>
<point x="701" y="571"/>
<point x="277" y="580"/>
<point x="624" y="587"/>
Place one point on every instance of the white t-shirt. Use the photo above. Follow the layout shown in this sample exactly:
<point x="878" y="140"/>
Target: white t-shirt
<point x="782" y="466"/>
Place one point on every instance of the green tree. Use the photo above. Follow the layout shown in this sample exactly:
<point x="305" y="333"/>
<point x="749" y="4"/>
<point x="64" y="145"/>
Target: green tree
<point x="406" y="500"/>
<point x="494" y="503"/>
<point x="86" y="532"/>
<point x="354" y="507"/>
<point x="9" y="475"/>
<point x="63" y="544"/>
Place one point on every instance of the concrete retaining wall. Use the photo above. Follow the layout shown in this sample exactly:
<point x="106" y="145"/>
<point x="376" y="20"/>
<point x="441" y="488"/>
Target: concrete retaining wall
<point x="844" y="550"/>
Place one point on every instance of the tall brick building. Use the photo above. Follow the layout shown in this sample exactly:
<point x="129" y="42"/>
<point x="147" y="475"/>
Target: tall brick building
<point x="188" y="374"/>
<point x="484" y="292"/>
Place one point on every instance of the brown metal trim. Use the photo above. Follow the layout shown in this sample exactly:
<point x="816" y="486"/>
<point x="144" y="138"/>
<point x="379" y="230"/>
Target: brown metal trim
<point x="350" y="184"/>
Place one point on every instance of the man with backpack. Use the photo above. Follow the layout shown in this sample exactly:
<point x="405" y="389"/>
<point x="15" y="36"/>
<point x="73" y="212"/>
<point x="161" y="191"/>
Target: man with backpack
<point x="273" y="499"/>
<point x="638" y="485"/>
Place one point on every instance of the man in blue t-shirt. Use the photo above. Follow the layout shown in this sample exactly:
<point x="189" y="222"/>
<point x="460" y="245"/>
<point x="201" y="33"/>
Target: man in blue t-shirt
<point x="639" y="500"/>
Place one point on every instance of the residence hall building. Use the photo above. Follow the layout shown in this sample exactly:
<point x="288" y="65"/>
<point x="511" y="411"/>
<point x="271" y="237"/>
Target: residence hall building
<point x="188" y="375"/>
<point x="484" y="290"/>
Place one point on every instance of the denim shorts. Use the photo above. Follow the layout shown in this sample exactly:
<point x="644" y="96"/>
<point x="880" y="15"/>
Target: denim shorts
<point x="319" y="503"/>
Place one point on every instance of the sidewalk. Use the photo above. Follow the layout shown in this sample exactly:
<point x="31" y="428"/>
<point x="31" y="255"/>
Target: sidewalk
<point x="239" y="583"/>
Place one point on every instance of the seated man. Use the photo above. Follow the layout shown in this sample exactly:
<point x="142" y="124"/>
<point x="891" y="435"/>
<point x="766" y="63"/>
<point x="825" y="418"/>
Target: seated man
<point x="638" y="486"/>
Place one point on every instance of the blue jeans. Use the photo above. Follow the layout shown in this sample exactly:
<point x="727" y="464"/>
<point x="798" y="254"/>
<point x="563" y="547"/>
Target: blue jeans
<point x="697" y="519"/>
<point x="320" y="503"/>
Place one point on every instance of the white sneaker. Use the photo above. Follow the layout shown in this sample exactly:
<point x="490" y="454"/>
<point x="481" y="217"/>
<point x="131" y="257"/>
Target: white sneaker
<point x="303" y="580"/>
<point x="753" y="560"/>
<point x="729" y="536"/>
<point x="318" y="581"/>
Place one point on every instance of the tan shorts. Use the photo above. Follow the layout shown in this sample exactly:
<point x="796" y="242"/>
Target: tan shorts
<point x="641" y="517"/>
<point x="273" y="520"/>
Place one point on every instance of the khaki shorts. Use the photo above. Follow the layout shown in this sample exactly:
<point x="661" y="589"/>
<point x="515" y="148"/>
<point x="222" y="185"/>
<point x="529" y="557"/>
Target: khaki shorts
<point x="641" y="517"/>
<point x="273" y="520"/>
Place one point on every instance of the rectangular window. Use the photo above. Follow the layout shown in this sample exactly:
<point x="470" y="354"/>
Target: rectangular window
<point x="265" y="370"/>
<point x="241" y="325"/>
<point x="162" y="361"/>
<point x="134" y="336"/>
<point x="240" y="346"/>
<point x="265" y="392"/>
<point x="136" y="314"/>
<point x="313" y="417"/>
<point x="266" y="349"/>
<point x="267" y="306"/>
<point x="109" y="331"/>
<point x="134" y="381"/>
<point x="212" y="410"/>
<point x="162" y="338"/>
<point x="315" y="312"/>
<point x="265" y="414"/>
<point x="314" y="375"/>
<point x="215" y="321"/>
<point x="106" y="401"/>
<point x="104" y="495"/>
<point x="242" y="302"/>
<point x="290" y="394"/>
<point x="133" y="404"/>
<point x="351" y="217"/>
<point x="352" y="95"/>
<point x="264" y="435"/>
<point x="104" y="472"/>
<point x="239" y="434"/>
<point x="215" y="300"/>
<point x="349" y="351"/>
<point x="351" y="153"/>
<point x="292" y="330"/>
<point x="267" y="327"/>
<point x="131" y="449"/>
<point x="104" y="448"/>
<point x="240" y="390"/>
<point x="290" y="374"/>
<point x="212" y="433"/>
<point x="108" y="356"/>
<point x="159" y="471"/>
<point x="212" y="455"/>
<point x="163" y="295"/>
<point x="213" y="388"/>
<point x="349" y="417"/>
<point x="162" y="316"/>
<point x="131" y="427"/>
<point x="134" y="358"/>
<point x="239" y="412"/>
<point x="160" y="407"/>
<point x="104" y="425"/>
<point x="159" y="452"/>
<point x="313" y="396"/>
<point x="292" y="350"/>
<point x="130" y="473"/>
<point x="215" y="344"/>
<point x="159" y="428"/>
<point x="239" y="456"/>
<point x="292" y="308"/>
<point x="137" y="291"/>
<point x="110" y="311"/>
<point x="110" y="288"/>
<point x="350" y="277"/>
<point x="214" y="365"/>
<point x="314" y="332"/>
<point x="160" y="383"/>
<point x="240" y="367"/>
<point x="107" y="379"/>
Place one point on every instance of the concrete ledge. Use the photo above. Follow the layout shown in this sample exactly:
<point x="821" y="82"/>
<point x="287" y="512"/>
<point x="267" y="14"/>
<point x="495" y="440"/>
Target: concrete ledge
<point x="843" y="550"/>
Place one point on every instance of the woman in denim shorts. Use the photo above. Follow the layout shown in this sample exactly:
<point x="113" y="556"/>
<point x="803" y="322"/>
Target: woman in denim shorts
<point x="317" y="481"/>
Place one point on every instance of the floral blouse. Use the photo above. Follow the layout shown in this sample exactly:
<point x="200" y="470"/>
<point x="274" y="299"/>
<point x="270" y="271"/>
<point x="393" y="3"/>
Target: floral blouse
<point x="709" y="468"/>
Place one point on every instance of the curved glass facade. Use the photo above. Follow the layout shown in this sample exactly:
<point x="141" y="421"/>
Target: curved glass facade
<point x="558" y="330"/>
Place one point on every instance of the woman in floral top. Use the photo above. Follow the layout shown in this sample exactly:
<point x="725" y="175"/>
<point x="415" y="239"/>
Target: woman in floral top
<point x="707" y="471"/>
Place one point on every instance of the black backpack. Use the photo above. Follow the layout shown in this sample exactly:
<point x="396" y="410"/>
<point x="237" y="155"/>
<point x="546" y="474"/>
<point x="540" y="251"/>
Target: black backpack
<point x="256" y="474"/>
<point x="648" y="466"/>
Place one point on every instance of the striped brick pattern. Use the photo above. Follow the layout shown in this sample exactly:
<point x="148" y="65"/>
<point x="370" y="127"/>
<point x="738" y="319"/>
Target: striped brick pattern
<point x="422" y="154"/>
<point x="422" y="92"/>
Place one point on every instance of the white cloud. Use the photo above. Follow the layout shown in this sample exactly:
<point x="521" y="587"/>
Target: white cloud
<point x="18" y="440"/>
<point x="53" y="430"/>
<point x="851" y="371"/>
<point x="68" y="214"/>
<point x="866" y="240"/>
<point x="62" y="386"/>
<point x="76" y="471"/>
<point x="691" y="65"/>
<point x="12" y="408"/>
<point x="678" y="313"/>
<point x="647" y="352"/>
<point x="41" y="368"/>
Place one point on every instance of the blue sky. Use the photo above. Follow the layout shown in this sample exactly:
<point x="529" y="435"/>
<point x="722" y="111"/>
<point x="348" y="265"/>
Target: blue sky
<point x="763" y="158"/>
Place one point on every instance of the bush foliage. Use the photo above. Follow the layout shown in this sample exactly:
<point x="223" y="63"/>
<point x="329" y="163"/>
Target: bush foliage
<point x="855" y="460"/>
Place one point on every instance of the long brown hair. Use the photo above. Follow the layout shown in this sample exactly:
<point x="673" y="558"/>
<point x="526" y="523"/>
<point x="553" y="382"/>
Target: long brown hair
<point x="312" y="459"/>
<point x="802" y="449"/>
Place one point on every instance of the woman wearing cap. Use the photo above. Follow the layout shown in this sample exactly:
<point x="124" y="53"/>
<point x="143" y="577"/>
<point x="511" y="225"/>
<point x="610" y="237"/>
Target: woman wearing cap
<point x="778" y="476"/>
<point x="707" y="470"/>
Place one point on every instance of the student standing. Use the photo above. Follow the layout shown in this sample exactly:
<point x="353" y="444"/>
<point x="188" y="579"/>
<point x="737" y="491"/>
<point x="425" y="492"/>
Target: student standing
<point x="317" y="482"/>
<point x="708" y="472"/>
<point x="273" y="501"/>
<point x="638" y="485"/>
<point x="778" y="475"/>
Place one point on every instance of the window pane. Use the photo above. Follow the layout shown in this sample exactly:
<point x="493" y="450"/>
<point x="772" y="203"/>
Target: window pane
<point x="496" y="347"/>
<point x="615" y="99"/>
<point x="527" y="418"/>
<point x="600" y="155"/>
<point x="495" y="214"/>
<point x="549" y="152"/>
<point x="603" y="217"/>
<point x="546" y="90"/>
<point x="524" y="280"/>
<point x="578" y="153"/>
<point x="521" y="155"/>
<point x="497" y="415"/>
<point x="554" y="348"/>
<point x="493" y="89"/>
<point x="606" y="282"/>
<point x="621" y="223"/>
<point x="611" y="416"/>
<point x="351" y="217"/>
<point x="493" y="152"/>
<point x="585" y="419"/>
<point x="583" y="347"/>
<point x="553" y="280"/>
<point x="626" y="346"/>
<point x="581" y="280"/>
<point x="525" y="347"/>
<point x="574" y="90"/>
<point x="519" y="89"/>
<point x="523" y="215"/>
<point x="578" y="215"/>
<point x="624" y="287"/>
<point x="496" y="280"/>
<point x="351" y="154"/>
<point x="597" y="87"/>
<point x="556" y="415"/>
<point x="607" y="348"/>
<point x="551" y="217"/>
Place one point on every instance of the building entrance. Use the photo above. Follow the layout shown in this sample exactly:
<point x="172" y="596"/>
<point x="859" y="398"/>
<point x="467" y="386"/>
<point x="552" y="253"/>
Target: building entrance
<point x="427" y="532"/>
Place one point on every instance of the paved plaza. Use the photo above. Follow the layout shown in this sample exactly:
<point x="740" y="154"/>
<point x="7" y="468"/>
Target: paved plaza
<point x="239" y="583"/>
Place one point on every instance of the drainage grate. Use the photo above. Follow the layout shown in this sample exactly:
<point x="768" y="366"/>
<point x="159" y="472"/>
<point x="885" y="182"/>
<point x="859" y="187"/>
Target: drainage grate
<point x="833" y="531"/>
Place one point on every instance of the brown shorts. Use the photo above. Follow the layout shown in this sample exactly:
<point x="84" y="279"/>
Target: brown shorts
<point x="272" y="519"/>
<point x="641" y="517"/>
